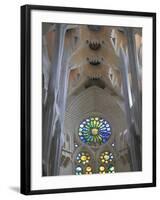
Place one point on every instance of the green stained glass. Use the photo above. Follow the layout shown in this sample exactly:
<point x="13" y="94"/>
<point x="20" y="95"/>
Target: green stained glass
<point x="94" y="130"/>
<point x="111" y="169"/>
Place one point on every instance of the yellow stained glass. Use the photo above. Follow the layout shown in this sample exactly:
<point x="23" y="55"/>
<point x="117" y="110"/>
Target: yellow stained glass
<point x="102" y="168"/>
<point x="94" y="131"/>
<point x="88" y="169"/>
<point x="106" y="157"/>
<point x="83" y="158"/>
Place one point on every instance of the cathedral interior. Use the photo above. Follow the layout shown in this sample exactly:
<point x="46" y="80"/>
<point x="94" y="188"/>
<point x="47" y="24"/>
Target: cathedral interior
<point x="91" y="99"/>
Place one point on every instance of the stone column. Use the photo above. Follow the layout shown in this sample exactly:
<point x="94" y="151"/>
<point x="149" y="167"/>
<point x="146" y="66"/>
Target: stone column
<point x="128" y="62"/>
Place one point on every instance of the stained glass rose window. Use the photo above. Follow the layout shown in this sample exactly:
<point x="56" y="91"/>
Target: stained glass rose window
<point x="94" y="130"/>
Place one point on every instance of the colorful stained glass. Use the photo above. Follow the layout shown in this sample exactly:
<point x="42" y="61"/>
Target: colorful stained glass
<point x="84" y="164"/>
<point x="94" y="130"/>
<point x="83" y="158"/>
<point x="111" y="169"/>
<point x="88" y="170"/>
<point x="102" y="169"/>
<point x="106" y="157"/>
<point x="79" y="170"/>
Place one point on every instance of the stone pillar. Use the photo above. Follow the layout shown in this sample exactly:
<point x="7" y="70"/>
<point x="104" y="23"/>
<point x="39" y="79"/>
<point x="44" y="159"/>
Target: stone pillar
<point x="136" y="96"/>
<point x="51" y="115"/>
<point x="132" y="122"/>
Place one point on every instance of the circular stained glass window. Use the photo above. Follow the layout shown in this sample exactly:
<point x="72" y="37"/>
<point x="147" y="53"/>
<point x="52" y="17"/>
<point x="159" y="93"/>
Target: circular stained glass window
<point x="94" y="130"/>
<point x="106" y="157"/>
<point x="83" y="158"/>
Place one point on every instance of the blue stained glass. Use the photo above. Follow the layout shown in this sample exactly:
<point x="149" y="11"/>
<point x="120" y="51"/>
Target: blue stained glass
<point x="78" y="170"/>
<point x="94" y="130"/>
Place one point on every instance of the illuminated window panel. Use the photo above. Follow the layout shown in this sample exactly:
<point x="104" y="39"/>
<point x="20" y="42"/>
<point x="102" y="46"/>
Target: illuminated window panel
<point x="113" y="145"/>
<point x="94" y="130"/>
<point x="88" y="170"/>
<point x="111" y="169"/>
<point x="83" y="158"/>
<point x="102" y="169"/>
<point x="78" y="170"/>
<point x="106" y="157"/>
<point x="75" y="145"/>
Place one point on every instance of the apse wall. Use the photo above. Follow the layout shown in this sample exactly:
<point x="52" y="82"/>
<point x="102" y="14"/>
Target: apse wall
<point x="95" y="101"/>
